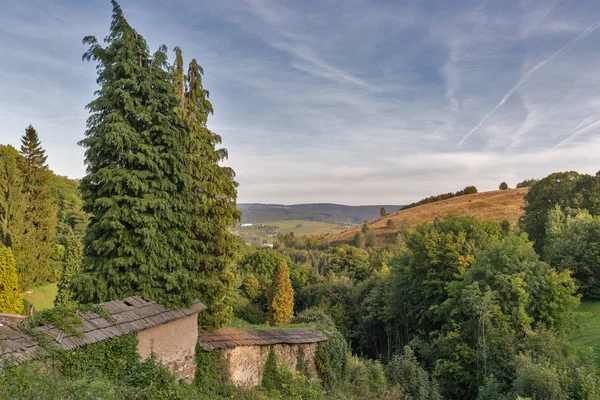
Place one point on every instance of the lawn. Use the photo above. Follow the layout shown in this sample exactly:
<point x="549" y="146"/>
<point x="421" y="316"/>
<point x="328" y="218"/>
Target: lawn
<point x="308" y="228"/>
<point x="589" y="334"/>
<point x="41" y="297"/>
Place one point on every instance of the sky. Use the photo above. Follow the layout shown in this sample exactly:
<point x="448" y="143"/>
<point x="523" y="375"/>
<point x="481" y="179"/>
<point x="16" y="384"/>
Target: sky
<point x="348" y="101"/>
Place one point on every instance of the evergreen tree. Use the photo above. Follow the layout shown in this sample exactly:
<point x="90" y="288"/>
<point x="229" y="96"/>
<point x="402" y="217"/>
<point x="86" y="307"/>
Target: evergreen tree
<point x="72" y="266"/>
<point x="11" y="299"/>
<point x="213" y="190"/>
<point x="280" y="302"/>
<point x="137" y="187"/>
<point x="16" y="231"/>
<point x="382" y="212"/>
<point x="41" y="212"/>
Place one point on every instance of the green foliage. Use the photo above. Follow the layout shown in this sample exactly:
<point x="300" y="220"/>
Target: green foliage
<point x="573" y="242"/>
<point x="563" y="189"/>
<point x="350" y="261"/>
<point x="503" y="186"/>
<point x="70" y="216"/>
<point x="11" y="299"/>
<point x="279" y="382"/>
<point x="526" y="183"/>
<point x="211" y="372"/>
<point x="332" y="355"/>
<point x="72" y="266"/>
<point x="40" y="213"/>
<point x="214" y="194"/>
<point x="405" y="371"/>
<point x="280" y="298"/>
<point x="138" y="188"/>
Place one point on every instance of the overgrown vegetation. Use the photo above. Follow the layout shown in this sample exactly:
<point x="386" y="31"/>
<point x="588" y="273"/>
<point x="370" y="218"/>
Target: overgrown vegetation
<point x="440" y="197"/>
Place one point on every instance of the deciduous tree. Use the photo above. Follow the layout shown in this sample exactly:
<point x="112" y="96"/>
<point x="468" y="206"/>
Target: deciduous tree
<point x="72" y="266"/>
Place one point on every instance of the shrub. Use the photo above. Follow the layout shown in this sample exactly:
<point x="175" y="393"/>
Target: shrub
<point x="11" y="299"/>
<point x="503" y="186"/>
<point x="332" y="355"/>
<point x="405" y="371"/>
<point x="280" y="382"/>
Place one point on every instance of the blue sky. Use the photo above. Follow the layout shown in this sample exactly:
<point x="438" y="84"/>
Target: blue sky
<point x="349" y="101"/>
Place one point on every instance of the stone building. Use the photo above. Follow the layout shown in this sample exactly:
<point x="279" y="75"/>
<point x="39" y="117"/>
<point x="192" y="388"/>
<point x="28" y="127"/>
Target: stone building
<point x="170" y="334"/>
<point x="246" y="350"/>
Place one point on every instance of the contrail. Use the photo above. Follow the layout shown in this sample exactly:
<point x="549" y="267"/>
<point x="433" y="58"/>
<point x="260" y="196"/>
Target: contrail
<point x="577" y="131"/>
<point x="528" y="74"/>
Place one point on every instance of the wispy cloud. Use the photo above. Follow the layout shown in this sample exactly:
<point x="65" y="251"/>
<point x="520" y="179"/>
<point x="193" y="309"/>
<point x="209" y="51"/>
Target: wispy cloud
<point x="528" y="75"/>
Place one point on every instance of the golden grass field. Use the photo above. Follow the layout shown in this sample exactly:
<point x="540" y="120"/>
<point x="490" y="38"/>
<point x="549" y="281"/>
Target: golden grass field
<point x="496" y="205"/>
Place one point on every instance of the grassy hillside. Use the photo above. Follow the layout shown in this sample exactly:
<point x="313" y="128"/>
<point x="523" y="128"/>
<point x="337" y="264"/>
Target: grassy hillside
<point x="497" y="205"/>
<point x="320" y="212"/>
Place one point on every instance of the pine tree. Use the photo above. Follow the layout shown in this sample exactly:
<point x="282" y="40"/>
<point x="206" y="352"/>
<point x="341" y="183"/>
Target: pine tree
<point x="137" y="186"/>
<point x="213" y="190"/>
<point x="41" y="213"/>
<point x="16" y="231"/>
<point x="280" y="297"/>
<point x="72" y="266"/>
<point x="11" y="299"/>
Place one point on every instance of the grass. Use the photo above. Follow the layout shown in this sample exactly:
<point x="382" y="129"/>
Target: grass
<point x="589" y="335"/>
<point x="307" y="228"/>
<point x="241" y="324"/>
<point x="496" y="205"/>
<point x="41" y="297"/>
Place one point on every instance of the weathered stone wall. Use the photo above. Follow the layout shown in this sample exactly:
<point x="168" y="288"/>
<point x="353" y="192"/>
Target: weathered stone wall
<point x="11" y="319"/>
<point x="245" y="364"/>
<point x="174" y="343"/>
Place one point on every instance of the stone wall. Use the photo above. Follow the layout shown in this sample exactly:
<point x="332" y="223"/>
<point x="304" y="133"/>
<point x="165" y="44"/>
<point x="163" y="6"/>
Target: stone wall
<point x="245" y="364"/>
<point x="11" y="319"/>
<point x="174" y="343"/>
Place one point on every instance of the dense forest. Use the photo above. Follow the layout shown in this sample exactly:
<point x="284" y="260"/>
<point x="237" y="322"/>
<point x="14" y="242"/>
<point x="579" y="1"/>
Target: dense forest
<point x="459" y="308"/>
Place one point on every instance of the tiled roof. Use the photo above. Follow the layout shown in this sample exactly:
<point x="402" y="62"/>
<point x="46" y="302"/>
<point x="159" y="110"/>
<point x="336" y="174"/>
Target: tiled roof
<point x="232" y="337"/>
<point x="14" y="344"/>
<point x="130" y="315"/>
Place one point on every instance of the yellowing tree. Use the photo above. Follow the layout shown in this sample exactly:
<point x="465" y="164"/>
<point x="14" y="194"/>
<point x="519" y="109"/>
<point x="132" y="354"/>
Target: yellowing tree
<point x="280" y="297"/>
<point x="11" y="299"/>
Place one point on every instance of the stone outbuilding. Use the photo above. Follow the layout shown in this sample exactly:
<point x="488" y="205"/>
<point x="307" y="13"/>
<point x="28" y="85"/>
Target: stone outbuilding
<point x="170" y="334"/>
<point x="246" y="350"/>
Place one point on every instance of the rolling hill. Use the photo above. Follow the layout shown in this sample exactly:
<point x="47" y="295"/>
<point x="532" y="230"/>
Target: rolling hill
<point x="496" y="205"/>
<point x="255" y="213"/>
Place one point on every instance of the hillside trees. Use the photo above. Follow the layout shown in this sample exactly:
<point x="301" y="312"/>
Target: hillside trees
<point x="213" y="189"/>
<point x="137" y="187"/>
<point x="280" y="297"/>
<point x="40" y="214"/>
<point x="573" y="242"/>
<point x="503" y="186"/>
<point x="11" y="299"/>
<point x="563" y="189"/>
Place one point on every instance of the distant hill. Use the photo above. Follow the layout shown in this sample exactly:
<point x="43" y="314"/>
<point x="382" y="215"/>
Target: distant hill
<point x="256" y="213"/>
<point x="497" y="205"/>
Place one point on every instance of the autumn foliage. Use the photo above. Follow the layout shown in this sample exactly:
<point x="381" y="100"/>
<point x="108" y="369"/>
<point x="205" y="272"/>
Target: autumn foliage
<point x="280" y="297"/>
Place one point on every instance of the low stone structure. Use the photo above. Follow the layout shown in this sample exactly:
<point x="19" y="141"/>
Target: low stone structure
<point x="170" y="334"/>
<point x="11" y="319"/>
<point x="246" y="350"/>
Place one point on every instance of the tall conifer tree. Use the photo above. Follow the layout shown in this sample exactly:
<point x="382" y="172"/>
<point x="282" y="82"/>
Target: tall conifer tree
<point x="213" y="189"/>
<point x="41" y="212"/>
<point x="137" y="185"/>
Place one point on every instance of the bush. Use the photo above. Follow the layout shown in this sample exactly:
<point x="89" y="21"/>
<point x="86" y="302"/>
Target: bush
<point x="278" y="381"/>
<point x="332" y="355"/>
<point x="11" y="299"/>
<point x="503" y="186"/>
<point x="405" y="371"/>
